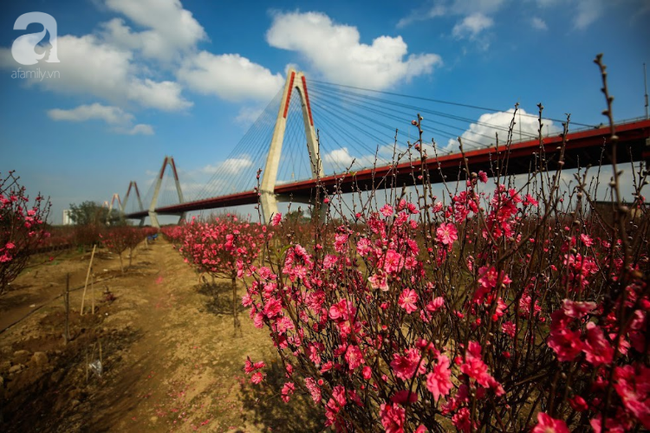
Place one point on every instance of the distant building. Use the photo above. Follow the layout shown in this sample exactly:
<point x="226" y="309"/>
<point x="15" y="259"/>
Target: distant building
<point x="67" y="221"/>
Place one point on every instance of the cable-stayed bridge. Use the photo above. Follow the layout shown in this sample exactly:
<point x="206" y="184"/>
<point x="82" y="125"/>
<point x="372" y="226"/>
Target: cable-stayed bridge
<point x="344" y="138"/>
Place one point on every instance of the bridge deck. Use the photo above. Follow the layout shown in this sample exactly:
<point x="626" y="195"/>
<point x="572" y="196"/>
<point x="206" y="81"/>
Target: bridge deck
<point x="583" y="148"/>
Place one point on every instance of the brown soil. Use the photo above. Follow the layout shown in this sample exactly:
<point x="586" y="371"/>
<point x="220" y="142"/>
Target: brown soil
<point x="169" y="359"/>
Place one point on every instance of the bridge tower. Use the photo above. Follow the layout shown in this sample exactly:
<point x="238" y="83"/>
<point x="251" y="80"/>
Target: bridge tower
<point x="153" y="215"/>
<point x="133" y="184"/>
<point x="268" y="198"/>
<point x="116" y="196"/>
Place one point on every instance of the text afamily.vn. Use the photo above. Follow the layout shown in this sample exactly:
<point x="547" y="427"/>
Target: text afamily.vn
<point x="34" y="74"/>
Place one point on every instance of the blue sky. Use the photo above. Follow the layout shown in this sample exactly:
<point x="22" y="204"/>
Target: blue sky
<point x="142" y="79"/>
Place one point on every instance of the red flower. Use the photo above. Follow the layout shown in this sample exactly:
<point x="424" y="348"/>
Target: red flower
<point x="393" y="262"/>
<point x="438" y="381"/>
<point x="353" y="357"/>
<point x="276" y="219"/>
<point x="408" y="300"/>
<point x="598" y="350"/>
<point x="392" y="418"/>
<point x="287" y="391"/>
<point x="476" y="369"/>
<point x="565" y="343"/>
<point x="436" y="304"/>
<point x="387" y="210"/>
<point x="447" y="233"/>
<point x="634" y="389"/>
<point x="577" y="309"/>
<point x="546" y="424"/>
<point x="405" y="366"/>
<point x="257" y="378"/>
<point x="578" y="404"/>
<point x="313" y="389"/>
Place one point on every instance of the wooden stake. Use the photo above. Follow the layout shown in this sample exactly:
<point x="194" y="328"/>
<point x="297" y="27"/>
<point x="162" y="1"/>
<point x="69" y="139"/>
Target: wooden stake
<point x="66" y="299"/>
<point x="83" y="297"/>
<point x="92" y="292"/>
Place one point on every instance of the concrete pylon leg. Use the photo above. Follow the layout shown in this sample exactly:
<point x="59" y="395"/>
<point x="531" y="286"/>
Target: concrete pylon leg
<point x="268" y="199"/>
<point x="154" y="200"/>
<point x="110" y="208"/>
<point x="133" y="184"/>
<point x="269" y="205"/>
<point x="153" y="217"/>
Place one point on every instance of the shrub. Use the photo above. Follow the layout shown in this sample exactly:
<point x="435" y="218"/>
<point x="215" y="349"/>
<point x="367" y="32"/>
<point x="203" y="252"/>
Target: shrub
<point x="220" y="248"/>
<point x="22" y="227"/>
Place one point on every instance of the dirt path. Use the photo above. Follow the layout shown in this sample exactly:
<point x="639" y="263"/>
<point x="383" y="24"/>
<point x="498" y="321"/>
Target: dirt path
<point x="170" y="361"/>
<point x="178" y="377"/>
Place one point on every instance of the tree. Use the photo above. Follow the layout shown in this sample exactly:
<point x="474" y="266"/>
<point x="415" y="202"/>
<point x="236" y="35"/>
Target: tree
<point x="90" y="219"/>
<point x="133" y="237"/>
<point x="22" y="228"/>
<point x="116" y="241"/>
<point x="88" y="213"/>
<point x="222" y="248"/>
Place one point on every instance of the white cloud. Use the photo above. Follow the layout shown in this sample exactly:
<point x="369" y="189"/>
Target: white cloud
<point x="472" y="25"/>
<point x="248" y="115"/>
<point x="120" y="120"/>
<point x="164" y="95"/>
<point x="229" y="76"/>
<point x="467" y="7"/>
<point x="422" y="14"/>
<point x="483" y="132"/>
<point x="475" y="15"/>
<point x="171" y="28"/>
<point x="438" y="8"/>
<point x="388" y="150"/>
<point x="340" y="159"/>
<point x="588" y="11"/>
<point x="336" y="52"/>
<point x="140" y="128"/>
<point x="110" y="115"/>
<point x="150" y="43"/>
<point x="538" y="23"/>
<point x="91" y="67"/>
<point x="228" y="166"/>
<point x="584" y="12"/>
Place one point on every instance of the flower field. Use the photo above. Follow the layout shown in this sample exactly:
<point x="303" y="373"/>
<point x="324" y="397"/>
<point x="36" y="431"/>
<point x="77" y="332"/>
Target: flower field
<point x="503" y="304"/>
<point x="496" y="308"/>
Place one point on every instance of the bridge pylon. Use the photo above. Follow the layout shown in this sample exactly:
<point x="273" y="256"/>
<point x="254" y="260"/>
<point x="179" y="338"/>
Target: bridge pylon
<point x="153" y="215"/>
<point x="116" y="196"/>
<point x="268" y="198"/>
<point x="133" y="184"/>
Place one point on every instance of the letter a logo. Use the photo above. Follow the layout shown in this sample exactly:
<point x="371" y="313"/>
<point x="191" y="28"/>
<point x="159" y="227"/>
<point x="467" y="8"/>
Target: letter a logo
<point x="23" y="48"/>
